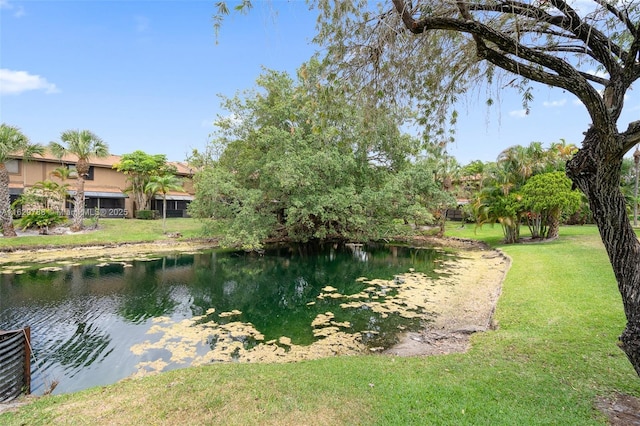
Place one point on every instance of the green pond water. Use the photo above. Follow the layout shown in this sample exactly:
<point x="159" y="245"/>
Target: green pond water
<point x="88" y="318"/>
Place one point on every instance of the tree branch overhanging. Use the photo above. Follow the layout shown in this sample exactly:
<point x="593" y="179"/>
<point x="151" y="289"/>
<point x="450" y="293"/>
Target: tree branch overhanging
<point x="566" y="76"/>
<point x="570" y="23"/>
<point x="631" y="136"/>
<point x="623" y="17"/>
<point x="601" y="45"/>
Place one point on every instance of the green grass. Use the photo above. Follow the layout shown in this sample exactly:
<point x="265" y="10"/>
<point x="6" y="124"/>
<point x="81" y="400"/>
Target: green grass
<point x="553" y="354"/>
<point x="111" y="231"/>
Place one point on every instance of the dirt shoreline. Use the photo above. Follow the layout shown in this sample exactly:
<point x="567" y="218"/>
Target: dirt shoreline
<point x="462" y="304"/>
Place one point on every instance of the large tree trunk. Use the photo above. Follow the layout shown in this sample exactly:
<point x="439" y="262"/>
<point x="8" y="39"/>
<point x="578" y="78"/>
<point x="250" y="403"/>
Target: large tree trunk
<point x="5" y="204"/>
<point x="596" y="172"/>
<point x="554" y="224"/>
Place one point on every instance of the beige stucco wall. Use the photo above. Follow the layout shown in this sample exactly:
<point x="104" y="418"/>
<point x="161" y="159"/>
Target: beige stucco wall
<point x="105" y="178"/>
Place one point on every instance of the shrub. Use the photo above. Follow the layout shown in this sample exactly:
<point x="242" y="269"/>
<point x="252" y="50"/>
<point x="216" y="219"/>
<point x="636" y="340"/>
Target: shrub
<point x="41" y="219"/>
<point x="147" y="214"/>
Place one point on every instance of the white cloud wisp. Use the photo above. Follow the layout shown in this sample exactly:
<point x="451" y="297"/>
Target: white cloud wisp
<point x="16" y="82"/>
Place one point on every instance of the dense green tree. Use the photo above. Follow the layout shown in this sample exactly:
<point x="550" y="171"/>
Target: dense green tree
<point x="12" y="142"/>
<point x="548" y="196"/>
<point x="163" y="184"/>
<point x="473" y="169"/>
<point x="416" y="195"/>
<point x="85" y="145"/>
<point x="298" y="162"/>
<point x="140" y="168"/>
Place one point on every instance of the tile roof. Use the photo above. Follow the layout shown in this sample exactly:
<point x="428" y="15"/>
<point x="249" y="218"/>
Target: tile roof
<point x="183" y="169"/>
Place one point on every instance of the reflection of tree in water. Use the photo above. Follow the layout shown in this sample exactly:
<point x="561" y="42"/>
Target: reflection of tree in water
<point x="147" y="293"/>
<point x="81" y="349"/>
<point x="23" y="289"/>
<point x="277" y="292"/>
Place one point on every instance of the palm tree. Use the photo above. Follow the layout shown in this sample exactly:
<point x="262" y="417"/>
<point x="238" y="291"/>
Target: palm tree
<point x="62" y="173"/>
<point x="560" y="153"/>
<point x="51" y="193"/>
<point x="164" y="184"/>
<point x="525" y="161"/>
<point x="12" y="141"/>
<point x="84" y="145"/>
<point x="498" y="200"/>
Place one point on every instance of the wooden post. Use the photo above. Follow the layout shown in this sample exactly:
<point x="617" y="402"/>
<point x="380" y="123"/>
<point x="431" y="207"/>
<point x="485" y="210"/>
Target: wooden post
<point x="27" y="359"/>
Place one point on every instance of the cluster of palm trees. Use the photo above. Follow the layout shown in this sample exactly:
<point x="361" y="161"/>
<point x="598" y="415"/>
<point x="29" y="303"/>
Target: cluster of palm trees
<point x="82" y="144"/>
<point x="496" y="195"/>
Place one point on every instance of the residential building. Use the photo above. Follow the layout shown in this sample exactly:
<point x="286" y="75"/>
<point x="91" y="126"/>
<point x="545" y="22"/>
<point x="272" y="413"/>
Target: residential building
<point x="104" y="186"/>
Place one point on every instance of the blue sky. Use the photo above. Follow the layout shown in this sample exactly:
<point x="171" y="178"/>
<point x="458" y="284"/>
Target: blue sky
<point x="146" y="74"/>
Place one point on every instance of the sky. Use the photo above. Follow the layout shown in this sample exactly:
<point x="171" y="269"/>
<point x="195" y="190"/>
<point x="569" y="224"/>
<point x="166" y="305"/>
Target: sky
<point x="146" y="75"/>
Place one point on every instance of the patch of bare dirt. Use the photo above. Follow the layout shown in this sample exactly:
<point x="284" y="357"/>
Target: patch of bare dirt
<point x="621" y="410"/>
<point x="463" y="304"/>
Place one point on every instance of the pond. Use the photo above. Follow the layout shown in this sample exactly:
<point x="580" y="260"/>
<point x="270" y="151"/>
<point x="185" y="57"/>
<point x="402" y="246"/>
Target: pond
<point x="96" y="322"/>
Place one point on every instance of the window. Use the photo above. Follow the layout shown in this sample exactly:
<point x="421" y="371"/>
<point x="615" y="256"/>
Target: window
<point x="74" y="173"/>
<point x="13" y="166"/>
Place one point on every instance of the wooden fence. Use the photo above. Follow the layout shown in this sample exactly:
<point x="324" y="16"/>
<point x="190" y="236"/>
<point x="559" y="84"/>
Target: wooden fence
<point x="15" y="363"/>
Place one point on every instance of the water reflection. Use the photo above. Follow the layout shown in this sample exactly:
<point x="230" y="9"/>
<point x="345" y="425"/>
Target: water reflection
<point x="86" y="318"/>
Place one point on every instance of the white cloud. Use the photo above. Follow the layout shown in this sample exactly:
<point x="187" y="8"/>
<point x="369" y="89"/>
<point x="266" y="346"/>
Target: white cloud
<point x="18" y="11"/>
<point x="519" y="113"/>
<point x="554" y="104"/>
<point x="16" y="82"/>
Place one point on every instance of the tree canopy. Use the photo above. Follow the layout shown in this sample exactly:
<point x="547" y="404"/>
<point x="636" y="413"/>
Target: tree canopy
<point x="299" y="163"/>
<point x="548" y="196"/>
<point x="140" y="168"/>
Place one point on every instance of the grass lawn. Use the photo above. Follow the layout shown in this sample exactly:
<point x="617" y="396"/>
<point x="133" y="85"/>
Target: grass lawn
<point x="111" y="231"/>
<point x="553" y="354"/>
